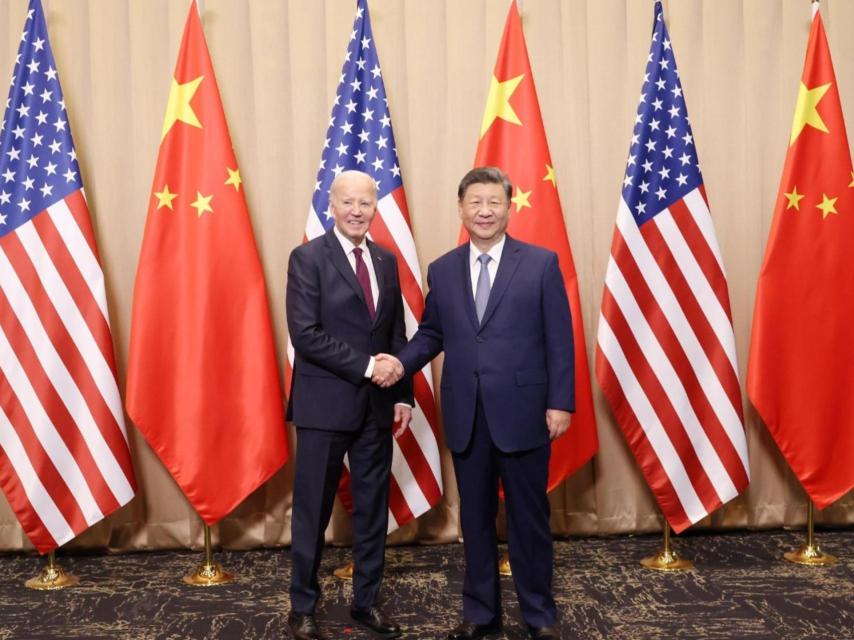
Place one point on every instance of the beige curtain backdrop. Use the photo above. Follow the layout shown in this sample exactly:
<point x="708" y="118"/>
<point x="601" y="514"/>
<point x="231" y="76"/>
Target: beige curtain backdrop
<point x="278" y="62"/>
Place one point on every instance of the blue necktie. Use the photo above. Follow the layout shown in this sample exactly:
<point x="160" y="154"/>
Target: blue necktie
<point x="481" y="294"/>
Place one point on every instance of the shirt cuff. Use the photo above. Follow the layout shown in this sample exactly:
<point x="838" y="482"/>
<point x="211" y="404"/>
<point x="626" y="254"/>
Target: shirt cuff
<point x="369" y="372"/>
<point x="403" y="404"/>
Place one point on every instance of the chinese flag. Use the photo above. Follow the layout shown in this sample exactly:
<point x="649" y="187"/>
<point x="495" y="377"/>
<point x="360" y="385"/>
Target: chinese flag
<point x="512" y="137"/>
<point x="801" y="370"/>
<point x="203" y="384"/>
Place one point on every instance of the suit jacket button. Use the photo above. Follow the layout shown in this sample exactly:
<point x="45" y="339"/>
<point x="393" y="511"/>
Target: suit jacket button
<point x="479" y="339"/>
<point x="476" y="374"/>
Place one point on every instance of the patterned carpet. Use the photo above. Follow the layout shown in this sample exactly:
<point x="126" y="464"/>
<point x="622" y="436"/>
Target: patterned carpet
<point x="740" y="589"/>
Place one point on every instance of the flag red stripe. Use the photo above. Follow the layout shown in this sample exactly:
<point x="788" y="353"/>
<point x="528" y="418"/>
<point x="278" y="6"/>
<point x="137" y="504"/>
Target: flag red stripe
<point x="419" y="466"/>
<point x="655" y="393"/>
<point x="424" y="396"/>
<point x="44" y="466"/>
<point x="645" y="455"/>
<point x="706" y="415"/>
<point x="74" y="281"/>
<point x="20" y="503"/>
<point x="38" y="377"/>
<point x="703" y="253"/>
<point x="697" y="319"/>
<point x="397" y="502"/>
<point x="80" y="211"/>
<point x="409" y="286"/>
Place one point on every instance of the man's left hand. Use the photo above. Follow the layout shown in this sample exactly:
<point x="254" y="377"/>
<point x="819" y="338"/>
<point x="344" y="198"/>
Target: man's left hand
<point x="557" y="422"/>
<point x="403" y="416"/>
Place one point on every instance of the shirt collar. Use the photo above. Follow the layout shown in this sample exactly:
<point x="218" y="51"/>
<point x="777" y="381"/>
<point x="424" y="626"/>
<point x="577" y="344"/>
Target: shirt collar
<point x="348" y="244"/>
<point x="494" y="252"/>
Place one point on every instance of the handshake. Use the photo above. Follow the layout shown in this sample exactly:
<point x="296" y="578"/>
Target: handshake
<point x="387" y="370"/>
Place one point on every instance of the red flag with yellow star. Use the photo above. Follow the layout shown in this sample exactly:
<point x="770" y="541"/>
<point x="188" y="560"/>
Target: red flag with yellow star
<point x="203" y="384"/>
<point x="512" y="137"/>
<point x="801" y="369"/>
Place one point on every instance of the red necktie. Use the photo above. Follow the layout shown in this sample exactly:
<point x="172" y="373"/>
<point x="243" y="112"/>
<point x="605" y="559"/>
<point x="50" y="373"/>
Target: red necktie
<point x="364" y="280"/>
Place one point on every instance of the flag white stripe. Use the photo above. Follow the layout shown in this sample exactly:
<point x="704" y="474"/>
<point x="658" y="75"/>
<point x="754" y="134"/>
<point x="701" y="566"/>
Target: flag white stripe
<point x="401" y="233"/>
<point x="401" y="471"/>
<point x="72" y="319"/>
<point x="669" y="305"/>
<point x="670" y="382"/>
<point x="39" y="497"/>
<point x="44" y="429"/>
<point x="62" y="380"/>
<point x="703" y="218"/>
<point x="649" y="422"/>
<point x="313" y="228"/>
<point x="699" y="285"/>
<point x="82" y="255"/>
<point x="420" y="428"/>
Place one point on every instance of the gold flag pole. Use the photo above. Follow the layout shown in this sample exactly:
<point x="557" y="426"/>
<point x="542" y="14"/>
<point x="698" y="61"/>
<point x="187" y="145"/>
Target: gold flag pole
<point x="810" y="553"/>
<point x="209" y="573"/>
<point x="667" y="559"/>
<point x="504" y="567"/>
<point x="52" y="577"/>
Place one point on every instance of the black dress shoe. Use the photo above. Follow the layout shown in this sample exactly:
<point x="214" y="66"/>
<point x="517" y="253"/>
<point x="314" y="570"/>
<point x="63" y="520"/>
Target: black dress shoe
<point x="303" y="626"/>
<point x="470" y="631"/>
<point x="376" y="621"/>
<point x="543" y="633"/>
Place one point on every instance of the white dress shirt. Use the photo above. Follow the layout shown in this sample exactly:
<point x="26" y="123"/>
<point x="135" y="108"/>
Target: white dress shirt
<point x="492" y="266"/>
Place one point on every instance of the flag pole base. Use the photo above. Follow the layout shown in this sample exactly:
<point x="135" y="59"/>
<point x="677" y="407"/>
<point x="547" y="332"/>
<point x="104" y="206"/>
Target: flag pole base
<point x="209" y="573"/>
<point x="667" y="559"/>
<point x="504" y="565"/>
<point x="344" y="572"/>
<point x="52" y="577"/>
<point x="812" y="555"/>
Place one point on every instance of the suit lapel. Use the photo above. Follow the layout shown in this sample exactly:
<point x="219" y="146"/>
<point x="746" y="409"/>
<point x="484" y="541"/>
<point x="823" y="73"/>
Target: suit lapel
<point x="465" y="271"/>
<point x="339" y="259"/>
<point x="506" y="268"/>
<point x="380" y="267"/>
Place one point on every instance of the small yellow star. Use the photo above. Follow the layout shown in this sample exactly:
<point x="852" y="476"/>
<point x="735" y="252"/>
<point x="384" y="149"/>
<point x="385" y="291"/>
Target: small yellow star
<point x="806" y="110"/>
<point x="178" y="107"/>
<point x="521" y="199"/>
<point x="794" y="199"/>
<point x="498" y="103"/>
<point x="851" y="184"/>
<point x="202" y="203"/>
<point x="234" y="178"/>
<point x="550" y="175"/>
<point x="165" y="198"/>
<point x="827" y="206"/>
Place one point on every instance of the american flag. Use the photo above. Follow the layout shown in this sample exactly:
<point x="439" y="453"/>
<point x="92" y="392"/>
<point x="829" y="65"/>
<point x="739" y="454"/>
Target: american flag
<point x="666" y="353"/>
<point x="360" y="137"/>
<point x="64" y="458"/>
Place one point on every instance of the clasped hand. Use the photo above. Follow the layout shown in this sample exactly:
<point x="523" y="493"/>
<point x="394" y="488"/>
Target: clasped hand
<point x="387" y="370"/>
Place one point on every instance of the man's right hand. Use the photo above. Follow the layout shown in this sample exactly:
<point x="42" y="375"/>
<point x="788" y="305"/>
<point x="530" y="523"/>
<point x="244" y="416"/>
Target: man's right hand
<point x="387" y="370"/>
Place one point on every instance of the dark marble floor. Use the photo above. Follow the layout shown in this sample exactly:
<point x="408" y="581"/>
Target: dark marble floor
<point x="740" y="589"/>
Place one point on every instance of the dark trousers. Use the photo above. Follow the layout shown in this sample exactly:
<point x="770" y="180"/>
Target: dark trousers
<point x="319" y="458"/>
<point x="524" y="476"/>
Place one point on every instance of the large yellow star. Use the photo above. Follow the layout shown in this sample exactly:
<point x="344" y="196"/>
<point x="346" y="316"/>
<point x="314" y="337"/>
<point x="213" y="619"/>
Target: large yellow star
<point x="521" y="199"/>
<point x="234" y="178"/>
<point x="202" y="203"/>
<point x="498" y="103"/>
<point x="165" y="198"/>
<point x="178" y="107"/>
<point x="794" y="199"/>
<point x="827" y="206"/>
<point x="806" y="111"/>
<point x="550" y="175"/>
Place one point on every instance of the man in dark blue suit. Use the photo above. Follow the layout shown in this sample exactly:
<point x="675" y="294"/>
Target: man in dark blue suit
<point x="498" y="309"/>
<point x="343" y="306"/>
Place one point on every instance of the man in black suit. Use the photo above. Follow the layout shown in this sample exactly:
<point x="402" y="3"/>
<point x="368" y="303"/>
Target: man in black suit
<point x="498" y="309"/>
<point x="343" y="306"/>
